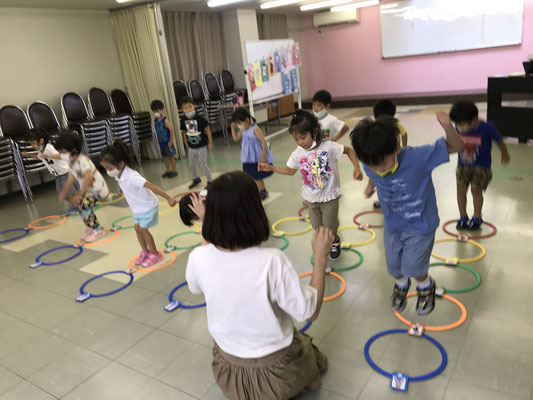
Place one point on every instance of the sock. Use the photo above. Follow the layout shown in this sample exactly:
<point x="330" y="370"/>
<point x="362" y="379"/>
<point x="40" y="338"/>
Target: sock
<point x="424" y="285"/>
<point x="402" y="283"/>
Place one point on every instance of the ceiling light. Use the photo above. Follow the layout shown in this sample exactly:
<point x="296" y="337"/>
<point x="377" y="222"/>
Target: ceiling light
<point x="278" y="3"/>
<point x="324" y="4"/>
<point x="353" y="6"/>
<point x="218" y="3"/>
<point x="388" y="5"/>
<point x="123" y="1"/>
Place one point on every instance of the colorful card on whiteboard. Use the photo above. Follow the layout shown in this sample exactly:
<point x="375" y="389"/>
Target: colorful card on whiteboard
<point x="264" y="70"/>
<point x="257" y="74"/>
<point x="271" y="66"/>
<point x="251" y="79"/>
<point x="277" y="61"/>
<point x="286" y="80"/>
<point x="296" y="55"/>
<point x="288" y="55"/>
<point x="294" y="80"/>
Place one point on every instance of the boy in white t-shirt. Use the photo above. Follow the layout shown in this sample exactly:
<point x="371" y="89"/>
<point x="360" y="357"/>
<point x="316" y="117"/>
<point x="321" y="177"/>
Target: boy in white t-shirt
<point x="332" y="127"/>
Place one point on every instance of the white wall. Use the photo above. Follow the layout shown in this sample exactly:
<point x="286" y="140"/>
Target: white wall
<point x="45" y="53"/>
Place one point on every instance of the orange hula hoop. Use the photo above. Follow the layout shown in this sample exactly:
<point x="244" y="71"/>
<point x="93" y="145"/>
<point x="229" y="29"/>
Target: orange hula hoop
<point x="104" y="241"/>
<point x="62" y="219"/>
<point x="333" y="296"/>
<point x="151" y="269"/>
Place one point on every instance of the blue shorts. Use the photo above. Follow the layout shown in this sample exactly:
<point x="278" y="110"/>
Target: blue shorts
<point x="408" y="254"/>
<point x="147" y="219"/>
<point x="167" y="151"/>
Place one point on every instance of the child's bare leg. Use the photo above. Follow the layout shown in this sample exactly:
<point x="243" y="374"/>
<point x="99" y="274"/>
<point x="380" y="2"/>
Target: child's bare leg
<point x="167" y="163"/>
<point x="422" y="278"/>
<point x="140" y="237"/>
<point x="172" y="163"/>
<point x="461" y="200"/>
<point x="261" y="184"/>
<point x="477" y="196"/>
<point x="149" y="240"/>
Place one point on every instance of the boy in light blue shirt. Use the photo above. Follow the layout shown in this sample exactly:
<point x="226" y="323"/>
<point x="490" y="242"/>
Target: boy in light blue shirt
<point x="405" y="190"/>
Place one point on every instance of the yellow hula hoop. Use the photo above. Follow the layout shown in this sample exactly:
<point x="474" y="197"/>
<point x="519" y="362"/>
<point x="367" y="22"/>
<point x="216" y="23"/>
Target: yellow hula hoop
<point x="196" y="227"/>
<point x="283" y="233"/>
<point x="347" y="244"/>
<point x="119" y="198"/>
<point x="455" y="260"/>
<point x="169" y="210"/>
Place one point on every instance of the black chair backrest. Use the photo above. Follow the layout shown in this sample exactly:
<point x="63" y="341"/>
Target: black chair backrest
<point x="180" y="90"/>
<point x="13" y="122"/>
<point x="212" y="86"/>
<point x="74" y="107"/>
<point x="197" y="92"/>
<point x="121" y="102"/>
<point x="99" y="102"/>
<point x="43" y="117"/>
<point x="227" y="81"/>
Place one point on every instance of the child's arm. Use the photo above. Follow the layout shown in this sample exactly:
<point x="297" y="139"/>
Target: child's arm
<point x="160" y="192"/>
<point x="235" y="132"/>
<point x="51" y="156"/>
<point x="321" y="244"/>
<point x="454" y="143"/>
<point x="169" y="127"/>
<point x="68" y="184"/>
<point x="258" y="134"/>
<point x="341" y="133"/>
<point x="28" y="155"/>
<point x="370" y="188"/>
<point x="505" y="154"/>
<point x="185" y="140"/>
<point x="278" y="170"/>
<point x="357" y="175"/>
<point x="209" y="138"/>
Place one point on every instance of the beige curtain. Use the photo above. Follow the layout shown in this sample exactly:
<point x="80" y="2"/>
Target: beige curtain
<point x="144" y="61"/>
<point x="195" y="44"/>
<point x="272" y="26"/>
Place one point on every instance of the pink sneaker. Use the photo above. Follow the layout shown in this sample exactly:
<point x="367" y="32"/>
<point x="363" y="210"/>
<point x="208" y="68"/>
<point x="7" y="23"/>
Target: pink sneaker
<point x="87" y="233"/>
<point x="95" y="235"/>
<point x="152" y="259"/>
<point x="141" y="258"/>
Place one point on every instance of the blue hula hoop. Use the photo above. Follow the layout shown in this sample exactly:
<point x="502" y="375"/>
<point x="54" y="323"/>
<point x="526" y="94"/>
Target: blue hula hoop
<point x="305" y="327"/>
<point x="85" y="295"/>
<point x="25" y="230"/>
<point x="38" y="261"/>
<point x="176" y="303"/>
<point x="414" y="378"/>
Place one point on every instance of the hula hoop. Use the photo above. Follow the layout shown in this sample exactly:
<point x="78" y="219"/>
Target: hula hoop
<point x="62" y="219"/>
<point x="361" y="228"/>
<point x="103" y="241"/>
<point x="494" y="230"/>
<point x="196" y="227"/>
<point x="283" y="233"/>
<point x="468" y="289"/>
<point x="169" y="210"/>
<point x="176" y="303"/>
<point x="285" y="245"/>
<point x="461" y="260"/>
<point x="333" y="296"/>
<point x="115" y="226"/>
<point x="440" y="328"/>
<point x="38" y="261"/>
<point x="167" y="246"/>
<point x="358" y="263"/>
<point x="108" y="202"/>
<point x="305" y="327"/>
<point x="365" y="213"/>
<point x="25" y="230"/>
<point x="85" y="295"/>
<point x="300" y="212"/>
<point x="151" y="269"/>
<point x="411" y="378"/>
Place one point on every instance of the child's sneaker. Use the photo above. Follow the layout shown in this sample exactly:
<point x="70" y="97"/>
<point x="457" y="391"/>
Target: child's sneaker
<point x="399" y="295"/>
<point x="95" y="235"/>
<point x="73" y="210"/>
<point x="475" y="224"/>
<point x="462" y="223"/>
<point x="195" y="181"/>
<point x="335" y="251"/>
<point x="376" y="205"/>
<point x="165" y="175"/>
<point x="172" y="174"/>
<point x="263" y="194"/>
<point x="141" y="258"/>
<point x="152" y="259"/>
<point x="426" y="299"/>
<point x="88" y="232"/>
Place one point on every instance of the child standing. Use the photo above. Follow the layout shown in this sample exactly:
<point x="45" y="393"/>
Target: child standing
<point x="92" y="186"/>
<point x="474" y="162"/>
<point x="165" y="135"/>
<point x="257" y="353"/>
<point x="117" y="161"/>
<point x="407" y="196"/>
<point x="317" y="161"/>
<point x="254" y="147"/>
<point x="196" y="136"/>
<point x="332" y="127"/>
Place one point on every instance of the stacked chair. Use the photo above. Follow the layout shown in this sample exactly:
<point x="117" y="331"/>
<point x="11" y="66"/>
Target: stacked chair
<point x="42" y="116"/>
<point x="11" y="167"/>
<point x="227" y="84"/>
<point x="214" y="100"/>
<point x="120" y="124"/>
<point x="180" y="90"/>
<point x="198" y="95"/>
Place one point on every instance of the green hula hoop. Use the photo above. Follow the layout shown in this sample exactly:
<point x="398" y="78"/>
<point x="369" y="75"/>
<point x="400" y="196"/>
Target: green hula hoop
<point x="468" y="289"/>
<point x="114" y="224"/>
<point x="285" y="245"/>
<point x="336" y="269"/>
<point x="169" y="246"/>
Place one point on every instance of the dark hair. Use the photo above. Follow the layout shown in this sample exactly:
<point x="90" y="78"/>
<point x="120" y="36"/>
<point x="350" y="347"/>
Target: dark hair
<point x="185" y="100"/>
<point x="304" y="122"/>
<point x="384" y="107"/>
<point x="323" y="96"/>
<point x="69" y="141"/>
<point x="187" y="215"/>
<point x="36" y="134"/>
<point x="463" y="111"/>
<point x="234" y="216"/>
<point x="118" y="152"/>
<point x="372" y="140"/>
<point x="241" y="114"/>
<point x="157" y="105"/>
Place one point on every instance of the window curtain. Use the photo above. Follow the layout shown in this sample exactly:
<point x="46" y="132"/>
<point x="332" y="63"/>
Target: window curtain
<point x="195" y="44"/>
<point x="144" y="61"/>
<point x="272" y="26"/>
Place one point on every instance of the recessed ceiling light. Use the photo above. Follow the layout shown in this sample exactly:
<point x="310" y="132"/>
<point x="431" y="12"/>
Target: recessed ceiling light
<point x="278" y="3"/>
<point x="324" y="4"/>
<point x="218" y="3"/>
<point x="353" y="6"/>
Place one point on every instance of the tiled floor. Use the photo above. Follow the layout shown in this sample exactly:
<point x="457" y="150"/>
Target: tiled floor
<point x="126" y="346"/>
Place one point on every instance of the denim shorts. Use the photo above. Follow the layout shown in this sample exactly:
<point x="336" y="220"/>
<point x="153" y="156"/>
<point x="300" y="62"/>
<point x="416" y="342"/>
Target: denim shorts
<point x="408" y="254"/>
<point x="147" y="219"/>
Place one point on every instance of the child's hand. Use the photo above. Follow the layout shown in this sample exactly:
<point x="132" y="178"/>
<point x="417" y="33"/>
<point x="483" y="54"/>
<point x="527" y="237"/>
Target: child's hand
<point x="357" y="175"/>
<point x="210" y="146"/>
<point x="321" y="242"/>
<point x="74" y="199"/>
<point x="170" y="144"/>
<point x="171" y="202"/>
<point x="264" y="167"/>
<point x="198" y="205"/>
<point x="505" y="159"/>
<point x="24" y="154"/>
<point x="234" y="126"/>
<point x="369" y="190"/>
<point x="443" y="118"/>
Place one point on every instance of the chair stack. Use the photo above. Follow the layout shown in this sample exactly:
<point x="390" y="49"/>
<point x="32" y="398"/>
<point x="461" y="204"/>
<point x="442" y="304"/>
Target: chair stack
<point x="214" y="102"/>
<point x="180" y="90"/>
<point x="198" y="95"/>
<point x="11" y="167"/>
<point x="42" y="116"/>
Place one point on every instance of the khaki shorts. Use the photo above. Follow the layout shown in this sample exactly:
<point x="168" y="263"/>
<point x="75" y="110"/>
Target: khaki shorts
<point x="478" y="177"/>
<point x="324" y="214"/>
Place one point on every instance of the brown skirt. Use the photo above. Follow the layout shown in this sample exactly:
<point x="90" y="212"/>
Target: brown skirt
<point x="280" y="375"/>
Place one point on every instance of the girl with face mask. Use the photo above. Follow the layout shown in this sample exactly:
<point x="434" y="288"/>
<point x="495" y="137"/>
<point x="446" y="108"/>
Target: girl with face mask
<point x="139" y="194"/>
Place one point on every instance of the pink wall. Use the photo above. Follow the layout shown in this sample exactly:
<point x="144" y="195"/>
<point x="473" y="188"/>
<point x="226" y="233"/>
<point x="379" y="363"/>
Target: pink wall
<point x="346" y="60"/>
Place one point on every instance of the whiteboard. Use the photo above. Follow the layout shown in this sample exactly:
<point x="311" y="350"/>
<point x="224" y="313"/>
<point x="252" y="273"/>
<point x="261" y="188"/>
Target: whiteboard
<point x="257" y="50"/>
<point x="412" y="27"/>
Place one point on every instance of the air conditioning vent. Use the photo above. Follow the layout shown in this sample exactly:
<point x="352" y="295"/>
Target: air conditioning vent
<point x="334" y="18"/>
